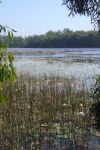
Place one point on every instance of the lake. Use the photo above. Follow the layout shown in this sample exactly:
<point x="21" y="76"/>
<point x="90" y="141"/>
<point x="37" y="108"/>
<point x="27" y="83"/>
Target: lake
<point x="81" y="63"/>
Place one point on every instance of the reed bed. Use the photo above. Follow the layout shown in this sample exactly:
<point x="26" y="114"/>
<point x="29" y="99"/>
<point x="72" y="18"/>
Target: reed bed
<point x="45" y="112"/>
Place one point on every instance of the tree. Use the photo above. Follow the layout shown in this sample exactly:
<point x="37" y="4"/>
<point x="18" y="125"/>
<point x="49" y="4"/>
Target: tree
<point x="85" y="7"/>
<point x="90" y="8"/>
<point x="7" y="70"/>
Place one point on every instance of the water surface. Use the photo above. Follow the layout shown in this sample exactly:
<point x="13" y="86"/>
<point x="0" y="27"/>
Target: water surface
<point x="81" y="63"/>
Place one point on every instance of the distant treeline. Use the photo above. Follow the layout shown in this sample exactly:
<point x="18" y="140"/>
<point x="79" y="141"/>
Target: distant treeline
<point x="59" y="39"/>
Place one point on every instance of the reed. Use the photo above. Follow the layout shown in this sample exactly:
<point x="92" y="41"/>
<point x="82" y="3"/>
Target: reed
<point x="43" y="110"/>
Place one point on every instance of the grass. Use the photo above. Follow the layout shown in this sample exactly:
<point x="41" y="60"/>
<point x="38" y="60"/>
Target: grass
<point x="43" y="106"/>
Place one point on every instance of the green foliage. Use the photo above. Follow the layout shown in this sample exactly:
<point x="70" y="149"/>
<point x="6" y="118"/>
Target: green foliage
<point x="3" y="99"/>
<point x="59" y="39"/>
<point x="7" y="70"/>
<point x="95" y="109"/>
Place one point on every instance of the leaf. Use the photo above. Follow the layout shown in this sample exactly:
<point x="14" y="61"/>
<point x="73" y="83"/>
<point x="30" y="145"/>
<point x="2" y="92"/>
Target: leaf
<point x="9" y="36"/>
<point x="13" y="30"/>
<point x="12" y="36"/>
<point x="10" y="56"/>
<point x="3" y="100"/>
<point x="0" y="28"/>
<point x="4" y="29"/>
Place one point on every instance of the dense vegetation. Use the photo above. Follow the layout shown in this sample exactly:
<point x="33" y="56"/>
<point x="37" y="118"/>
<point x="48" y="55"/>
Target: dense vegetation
<point x="59" y="39"/>
<point x="45" y="112"/>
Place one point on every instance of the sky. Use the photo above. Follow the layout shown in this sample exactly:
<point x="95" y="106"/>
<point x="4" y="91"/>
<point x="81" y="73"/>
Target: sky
<point x="31" y="17"/>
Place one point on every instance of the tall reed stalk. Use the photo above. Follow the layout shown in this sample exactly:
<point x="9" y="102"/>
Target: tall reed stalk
<point x="44" y="112"/>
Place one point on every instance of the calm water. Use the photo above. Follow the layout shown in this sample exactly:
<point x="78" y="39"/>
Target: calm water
<point x="83" y="64"/>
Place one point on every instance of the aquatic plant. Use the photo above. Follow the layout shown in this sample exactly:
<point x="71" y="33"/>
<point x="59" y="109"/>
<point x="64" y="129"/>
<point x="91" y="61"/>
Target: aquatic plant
<point x="43" y="110"/>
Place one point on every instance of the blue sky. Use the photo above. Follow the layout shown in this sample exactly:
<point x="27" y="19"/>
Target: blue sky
<point x="31" y="17"/>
